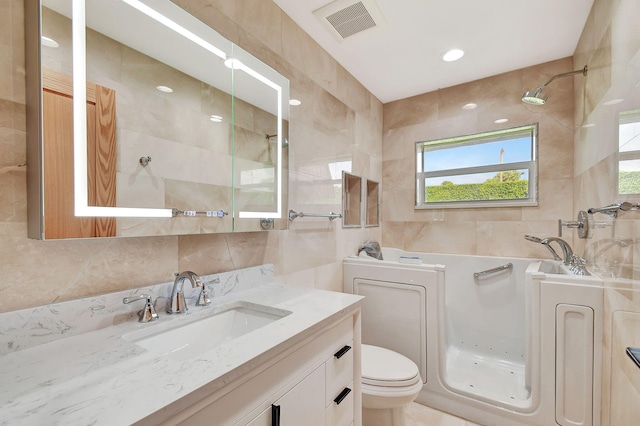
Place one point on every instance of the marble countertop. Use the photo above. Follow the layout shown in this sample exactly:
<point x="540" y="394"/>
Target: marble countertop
<point x="98" y="378"/>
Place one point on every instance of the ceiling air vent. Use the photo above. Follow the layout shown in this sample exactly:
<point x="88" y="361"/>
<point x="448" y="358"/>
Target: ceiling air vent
<point x="346" y="18"/>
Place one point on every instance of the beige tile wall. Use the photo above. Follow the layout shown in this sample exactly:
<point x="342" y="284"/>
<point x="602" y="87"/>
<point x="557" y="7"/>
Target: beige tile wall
<point x="482" y="231"/>
<point x="338" y="120"/>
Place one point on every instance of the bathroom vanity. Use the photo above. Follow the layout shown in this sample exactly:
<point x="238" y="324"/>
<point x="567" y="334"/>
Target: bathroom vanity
<point x="90" y="362"/>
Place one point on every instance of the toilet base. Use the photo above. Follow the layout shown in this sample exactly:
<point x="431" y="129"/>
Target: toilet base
<point x="383" y="417"/>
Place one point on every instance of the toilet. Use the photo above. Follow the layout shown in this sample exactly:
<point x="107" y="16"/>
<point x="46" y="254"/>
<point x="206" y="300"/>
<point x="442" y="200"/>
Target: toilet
<point x="389" y="382"/>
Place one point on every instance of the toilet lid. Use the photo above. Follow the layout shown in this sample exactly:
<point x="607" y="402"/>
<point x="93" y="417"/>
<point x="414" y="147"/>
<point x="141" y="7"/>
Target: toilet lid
<point x="383" y="365"/>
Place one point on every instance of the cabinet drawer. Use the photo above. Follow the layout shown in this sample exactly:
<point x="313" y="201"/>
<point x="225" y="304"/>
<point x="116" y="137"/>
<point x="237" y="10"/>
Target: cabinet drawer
<point x="341" y="414"/>
<point x="339" y="371"/>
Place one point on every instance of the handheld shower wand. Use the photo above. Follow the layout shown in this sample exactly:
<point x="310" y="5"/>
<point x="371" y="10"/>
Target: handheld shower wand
<point x="613" y="209"/>
<point x="545" y="243"/>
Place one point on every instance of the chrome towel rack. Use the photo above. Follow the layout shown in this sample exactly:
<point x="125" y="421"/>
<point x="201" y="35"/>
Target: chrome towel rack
<point x="492" y="271"/>
<point x="331" y="215"/>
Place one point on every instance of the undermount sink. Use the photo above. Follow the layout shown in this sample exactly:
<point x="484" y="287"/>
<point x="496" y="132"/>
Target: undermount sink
<point x="187" y="337"/>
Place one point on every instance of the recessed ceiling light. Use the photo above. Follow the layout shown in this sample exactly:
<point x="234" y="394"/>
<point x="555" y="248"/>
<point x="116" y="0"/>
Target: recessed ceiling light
<point x="294" y="102"/>
<point x="49" y="42"/>
<point x="501" y="120"/>
<point x="586" y="126"/>
<point x="452" y="55"/>
<point x="165" y="89"/>
<point x="470" y="106"/>
<point x="216" y="118"/>
<point x="612" y="102"/>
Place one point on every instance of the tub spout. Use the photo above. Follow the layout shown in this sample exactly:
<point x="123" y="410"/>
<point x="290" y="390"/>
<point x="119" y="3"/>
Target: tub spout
<point x="566" y="248"/>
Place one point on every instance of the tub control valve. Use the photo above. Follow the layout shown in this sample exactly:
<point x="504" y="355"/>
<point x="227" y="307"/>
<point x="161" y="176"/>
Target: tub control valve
<point x="582" y="225"/>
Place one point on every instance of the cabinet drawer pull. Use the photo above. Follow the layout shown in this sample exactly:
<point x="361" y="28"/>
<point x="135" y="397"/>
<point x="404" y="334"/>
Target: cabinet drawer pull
<point x="275" y="415"/>
<point x="342" y="351"/>
<point x="342" y="396"/>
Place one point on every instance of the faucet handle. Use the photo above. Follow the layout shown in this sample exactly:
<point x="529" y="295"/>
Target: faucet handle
<point x="148" y="313"/>
<point x="203" y="299"/>
<point x="578" y="265"/>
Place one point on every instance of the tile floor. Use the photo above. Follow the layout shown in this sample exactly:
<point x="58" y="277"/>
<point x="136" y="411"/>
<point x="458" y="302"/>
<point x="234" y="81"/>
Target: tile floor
<point x="421" y="415"/>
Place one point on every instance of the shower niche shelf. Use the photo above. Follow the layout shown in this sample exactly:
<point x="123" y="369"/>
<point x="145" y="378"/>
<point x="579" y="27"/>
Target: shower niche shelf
<point x="351" y="200"/>
<point x="372" y="199"/>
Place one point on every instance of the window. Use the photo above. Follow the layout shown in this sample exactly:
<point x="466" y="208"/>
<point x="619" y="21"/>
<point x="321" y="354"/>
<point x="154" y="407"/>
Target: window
<point x="486" y="169"/>
<point x="629" y="154"/>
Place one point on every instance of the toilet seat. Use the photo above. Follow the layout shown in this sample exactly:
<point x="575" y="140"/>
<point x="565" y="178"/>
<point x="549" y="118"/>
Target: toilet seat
<point x="386" y="368"/>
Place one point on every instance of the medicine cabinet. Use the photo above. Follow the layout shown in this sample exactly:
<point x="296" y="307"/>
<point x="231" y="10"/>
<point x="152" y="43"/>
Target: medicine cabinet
<point x="175" y="129"/>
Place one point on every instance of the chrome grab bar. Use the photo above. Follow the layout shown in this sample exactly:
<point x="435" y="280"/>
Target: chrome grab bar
<point x="495" y="270"/>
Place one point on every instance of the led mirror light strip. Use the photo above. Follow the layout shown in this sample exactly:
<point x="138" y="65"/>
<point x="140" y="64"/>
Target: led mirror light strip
<point x="80" y="124"/>
<point x="81" y="200"/>
<point x="278" y="213"/>
<point x="154" y="14"/>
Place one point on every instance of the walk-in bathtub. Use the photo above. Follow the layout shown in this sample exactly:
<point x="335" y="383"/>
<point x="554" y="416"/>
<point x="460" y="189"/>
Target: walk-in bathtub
<point x="499" y="341"/>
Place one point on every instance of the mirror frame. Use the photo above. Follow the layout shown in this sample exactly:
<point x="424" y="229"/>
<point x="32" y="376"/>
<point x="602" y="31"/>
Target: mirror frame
<point x="35" y="175"/>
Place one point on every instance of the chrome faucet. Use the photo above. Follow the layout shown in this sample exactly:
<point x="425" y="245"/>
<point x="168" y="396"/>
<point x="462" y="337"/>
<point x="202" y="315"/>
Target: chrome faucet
<point x="566" y="248"/>
<point x="177" y="303"/>
<point x="539" y="240"/>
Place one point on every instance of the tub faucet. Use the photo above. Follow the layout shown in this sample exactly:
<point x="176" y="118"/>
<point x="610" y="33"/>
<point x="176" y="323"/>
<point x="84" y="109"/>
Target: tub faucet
<point x="566" y="248"/>
<point x="546" y="244"/>
<point x="177" y="303"/>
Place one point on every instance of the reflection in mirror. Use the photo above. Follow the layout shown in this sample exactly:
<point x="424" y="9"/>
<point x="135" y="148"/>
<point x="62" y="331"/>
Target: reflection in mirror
<point x="167" y="133"/>
<point x="629" y="155"/>
<point x="351" y="200"/>
<point x="260" y="142"/>
<point x="372" y="209"/>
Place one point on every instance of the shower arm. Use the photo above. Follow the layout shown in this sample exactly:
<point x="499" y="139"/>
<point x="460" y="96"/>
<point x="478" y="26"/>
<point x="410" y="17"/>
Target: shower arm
<point x="583" y="71"/>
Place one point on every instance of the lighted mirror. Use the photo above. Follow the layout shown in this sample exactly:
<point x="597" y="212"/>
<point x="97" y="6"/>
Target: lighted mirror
<point x="176" y="130"/>
<point x="351" y="200"/>
<point x="372" y="209"/>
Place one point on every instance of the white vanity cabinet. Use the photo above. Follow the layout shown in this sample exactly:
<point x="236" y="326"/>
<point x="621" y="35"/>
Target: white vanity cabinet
<point x="311" y="384"/>
<point x="301" y="405"/>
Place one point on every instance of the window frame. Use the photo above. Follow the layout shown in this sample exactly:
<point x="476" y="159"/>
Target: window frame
<point x="480" y="138"/>
<point x="625" y="117"/>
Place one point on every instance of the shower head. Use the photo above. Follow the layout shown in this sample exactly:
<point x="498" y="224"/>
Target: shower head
<point x="536" y="97"/>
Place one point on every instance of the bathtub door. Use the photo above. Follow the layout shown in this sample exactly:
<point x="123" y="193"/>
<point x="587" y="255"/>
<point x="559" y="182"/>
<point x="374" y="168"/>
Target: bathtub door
<point x="394" y="317"/>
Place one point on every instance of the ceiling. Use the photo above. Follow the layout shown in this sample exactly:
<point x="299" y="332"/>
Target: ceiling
<point x="402" y="56"/>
